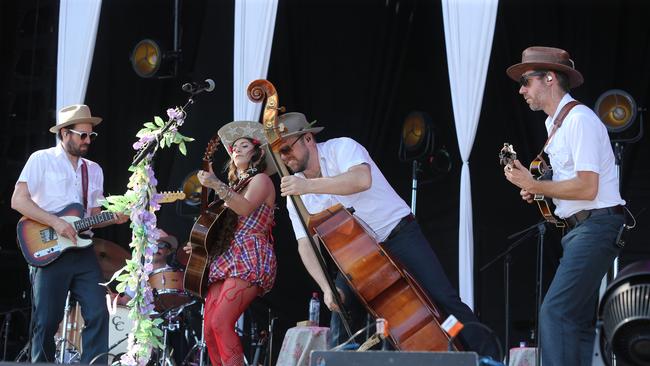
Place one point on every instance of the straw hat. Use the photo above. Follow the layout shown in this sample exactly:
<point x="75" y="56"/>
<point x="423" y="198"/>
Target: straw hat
<point x="236" y="130"/>
<point x="73" y="114"/>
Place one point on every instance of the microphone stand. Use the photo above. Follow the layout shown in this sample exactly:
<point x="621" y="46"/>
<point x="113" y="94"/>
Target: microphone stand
<point x="5" y="327"/>
<point x="152" y="146"/>
<point x="507" y="256"/>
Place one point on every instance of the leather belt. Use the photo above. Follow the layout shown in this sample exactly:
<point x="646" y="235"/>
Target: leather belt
<point x="581" y="216"/>
<point x="405" y="220"/>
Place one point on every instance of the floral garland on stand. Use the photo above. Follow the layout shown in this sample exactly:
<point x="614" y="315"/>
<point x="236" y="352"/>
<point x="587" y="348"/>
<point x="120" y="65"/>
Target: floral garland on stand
<point x="141" y="201"/>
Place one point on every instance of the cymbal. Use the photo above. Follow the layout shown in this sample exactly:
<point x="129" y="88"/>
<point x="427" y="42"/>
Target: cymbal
<point x="110" y="256"/>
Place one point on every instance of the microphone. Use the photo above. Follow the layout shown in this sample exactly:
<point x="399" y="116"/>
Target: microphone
<point x="198" y="87"/>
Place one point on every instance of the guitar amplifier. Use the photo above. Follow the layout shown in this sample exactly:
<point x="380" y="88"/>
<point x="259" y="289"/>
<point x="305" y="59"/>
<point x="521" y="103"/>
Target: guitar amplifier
<point x="392" y="358"/>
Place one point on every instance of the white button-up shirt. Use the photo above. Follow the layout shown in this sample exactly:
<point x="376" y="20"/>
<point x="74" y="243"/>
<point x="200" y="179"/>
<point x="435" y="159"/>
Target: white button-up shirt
<point x="379" y="206"/>
<point x="54" y="183"/>
<point x="582" y="144"/>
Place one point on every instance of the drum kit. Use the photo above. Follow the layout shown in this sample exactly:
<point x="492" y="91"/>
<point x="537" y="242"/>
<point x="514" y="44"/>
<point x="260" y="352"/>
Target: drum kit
<point x="170" y="303"/>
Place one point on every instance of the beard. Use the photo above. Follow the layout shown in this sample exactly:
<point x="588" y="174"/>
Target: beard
<point x="76" y="150"/>
<point x="535" y="107"/>
<point x="300" y="164"/>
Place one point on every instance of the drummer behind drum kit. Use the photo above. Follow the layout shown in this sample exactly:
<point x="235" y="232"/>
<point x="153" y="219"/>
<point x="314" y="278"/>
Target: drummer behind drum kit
<point x="170" y="299"/>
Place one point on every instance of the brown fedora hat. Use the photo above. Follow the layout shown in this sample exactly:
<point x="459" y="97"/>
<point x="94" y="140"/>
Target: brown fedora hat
<point x="546" y="58"/>
<point x="73" y="114"/>
<point x="295" y="123"/>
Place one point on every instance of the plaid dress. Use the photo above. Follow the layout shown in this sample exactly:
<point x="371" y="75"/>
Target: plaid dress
<point x="250" y="256"/>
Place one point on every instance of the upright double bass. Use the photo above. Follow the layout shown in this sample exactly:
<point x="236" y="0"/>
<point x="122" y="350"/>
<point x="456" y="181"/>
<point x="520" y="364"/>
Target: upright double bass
<point x="386" y="290"/>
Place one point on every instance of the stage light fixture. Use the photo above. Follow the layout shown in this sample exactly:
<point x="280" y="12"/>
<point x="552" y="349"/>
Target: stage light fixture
<point x="616" y="109"/>
<point x="146" y="58"/>
<point x="152" y="58"/>
<point x="624" y="314"/>
<point x="192" y="189"/>
<point x="417" y="137"/>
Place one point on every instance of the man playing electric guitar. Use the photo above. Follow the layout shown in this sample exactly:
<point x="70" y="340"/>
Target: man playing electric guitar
<point x="586" y="195"/>
<point x="51" y="180"/>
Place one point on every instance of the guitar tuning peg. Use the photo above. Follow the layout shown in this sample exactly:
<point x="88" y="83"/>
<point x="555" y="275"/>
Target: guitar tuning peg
<point x="282" y="127"/>
<point x="282" y="109"/>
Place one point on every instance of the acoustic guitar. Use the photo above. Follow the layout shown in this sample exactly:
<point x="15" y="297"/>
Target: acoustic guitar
<point x="540" y="171"/>
<point x="41" y="245"/>
<point x="210" y="234"/>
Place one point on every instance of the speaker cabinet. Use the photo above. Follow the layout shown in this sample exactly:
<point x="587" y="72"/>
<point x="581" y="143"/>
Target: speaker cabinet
<point x="392" y="358"/>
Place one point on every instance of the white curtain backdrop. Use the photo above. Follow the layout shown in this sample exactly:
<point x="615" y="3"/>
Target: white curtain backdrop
<point x="78" y="20"/>
<point x="254" y="25"/>
<point x="469" y="29"/>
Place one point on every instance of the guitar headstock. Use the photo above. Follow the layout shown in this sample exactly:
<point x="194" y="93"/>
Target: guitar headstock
<point x="172" y="196"/>
<point x="507" y="154"/>
<point x="213" y="144"/>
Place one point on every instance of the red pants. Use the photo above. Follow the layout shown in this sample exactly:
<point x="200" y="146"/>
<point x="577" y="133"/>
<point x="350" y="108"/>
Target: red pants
<point x="225" y="302"/>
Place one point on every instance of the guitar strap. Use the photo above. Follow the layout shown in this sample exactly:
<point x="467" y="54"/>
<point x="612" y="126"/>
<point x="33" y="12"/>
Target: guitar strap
<point x="557" y="123"/>
<point x="84" y="183"/>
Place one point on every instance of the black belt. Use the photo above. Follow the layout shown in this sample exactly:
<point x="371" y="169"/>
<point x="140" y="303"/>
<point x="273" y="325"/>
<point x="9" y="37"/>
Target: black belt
<point x="581" y="216"/>
<point x="405" y="220"/>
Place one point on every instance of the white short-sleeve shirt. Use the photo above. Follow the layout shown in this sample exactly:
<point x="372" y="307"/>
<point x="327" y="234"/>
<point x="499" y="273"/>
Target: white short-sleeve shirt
<point x="379" y="206"/>
<point x="582" y="144"/>
<point x="54" y="183"/>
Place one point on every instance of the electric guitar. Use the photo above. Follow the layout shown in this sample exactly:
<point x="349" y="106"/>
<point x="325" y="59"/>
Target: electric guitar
<point x="41" y="245"/>
<point x="540" y="171"/>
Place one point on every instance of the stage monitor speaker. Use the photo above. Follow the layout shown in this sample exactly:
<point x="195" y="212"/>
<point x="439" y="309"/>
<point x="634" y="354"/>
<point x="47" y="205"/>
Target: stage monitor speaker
<point x="392" y="358"/>
<point x="6" y="363"/>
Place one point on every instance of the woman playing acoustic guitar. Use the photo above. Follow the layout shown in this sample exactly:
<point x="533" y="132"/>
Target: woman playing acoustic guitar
<point x="246" y="269"/>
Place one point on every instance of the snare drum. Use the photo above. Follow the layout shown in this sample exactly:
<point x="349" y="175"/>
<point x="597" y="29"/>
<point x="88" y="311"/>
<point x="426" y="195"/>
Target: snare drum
<point x="168" y="289"/>
<point x="119" y="327"/>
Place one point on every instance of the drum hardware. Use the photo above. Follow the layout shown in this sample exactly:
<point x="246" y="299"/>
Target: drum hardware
<point x="200" y="346"/>
<point x="171" y="324"/>
<point x="66" y="351"/>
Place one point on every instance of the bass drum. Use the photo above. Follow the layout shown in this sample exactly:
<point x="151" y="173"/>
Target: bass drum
<point x="119" y="327"/>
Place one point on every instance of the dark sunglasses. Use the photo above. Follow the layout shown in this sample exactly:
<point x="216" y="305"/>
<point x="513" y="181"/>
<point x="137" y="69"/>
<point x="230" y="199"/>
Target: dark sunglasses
<point x="524" y="79"/>
<point x="83" y="135"/>
<point x="286" y="150"/>
<point x="164" y="245"/>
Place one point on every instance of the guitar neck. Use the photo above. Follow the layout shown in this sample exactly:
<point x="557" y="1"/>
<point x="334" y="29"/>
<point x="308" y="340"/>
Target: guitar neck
<point x="88" y="222"/>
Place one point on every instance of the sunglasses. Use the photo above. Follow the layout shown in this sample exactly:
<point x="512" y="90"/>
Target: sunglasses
<point x="525" y="79"/>
<point x="164" y="245"/>
<point x="286" y="150"/>
<point x="83" y="135"/>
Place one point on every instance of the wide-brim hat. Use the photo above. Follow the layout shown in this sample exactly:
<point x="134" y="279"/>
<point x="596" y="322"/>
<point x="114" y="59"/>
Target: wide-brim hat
<point x="73" y="114"/>
<point x="546" y="58"/>
<point x="233" y="131"/>
<point x="295" y="123"/>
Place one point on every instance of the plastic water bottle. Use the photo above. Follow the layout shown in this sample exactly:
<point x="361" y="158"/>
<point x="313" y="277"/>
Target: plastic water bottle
<point x="314" y="309"/>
